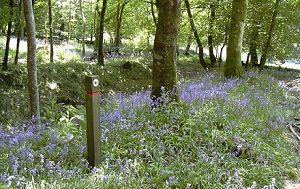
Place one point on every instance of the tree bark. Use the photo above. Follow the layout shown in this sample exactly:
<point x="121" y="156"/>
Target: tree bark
<point x="6" y="53"/>
<point x="96" y="27"/>
<point x="252" y="58"/>
<point x="188" y="45"/>
<point x="201" y="53"/>
<point x="19" y="26"/>
<point x="120" y="11"/>
<point x="153" y="13"/>
<point x="210" y="34"/>
<point x="233" y="66"/>
<point x="101" y="31"/>
<point x="164" y="76"/>
<point x="83" y="29"/>
<point x="267" y="45"/>
<point x="31" y="62"/>
<point x="50" y="30"/>
<point x="224" y="44"/>
<point x="247" y="62"/>
<point x="253" y="53"/>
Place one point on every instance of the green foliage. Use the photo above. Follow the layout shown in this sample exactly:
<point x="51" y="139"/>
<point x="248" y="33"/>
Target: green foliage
<point x="237" y="140"/>
<point x="63" y="83"/>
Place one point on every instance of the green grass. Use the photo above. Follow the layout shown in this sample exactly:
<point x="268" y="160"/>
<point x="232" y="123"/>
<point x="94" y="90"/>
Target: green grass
<point x="180" y="145"/>
<point x="69" y="79"/>
<point x="185" y="145"/>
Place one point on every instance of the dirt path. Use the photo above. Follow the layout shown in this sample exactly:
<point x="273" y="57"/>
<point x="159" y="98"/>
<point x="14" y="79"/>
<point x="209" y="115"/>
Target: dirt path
<point x="293" y="85"/>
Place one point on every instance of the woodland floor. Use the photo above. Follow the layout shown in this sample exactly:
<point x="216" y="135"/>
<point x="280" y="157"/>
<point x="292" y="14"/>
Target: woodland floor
<point x="294" y="86"/>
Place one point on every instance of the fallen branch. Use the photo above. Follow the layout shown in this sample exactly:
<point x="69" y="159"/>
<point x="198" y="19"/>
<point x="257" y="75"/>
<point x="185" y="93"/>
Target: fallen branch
<point x="293" y="130"/>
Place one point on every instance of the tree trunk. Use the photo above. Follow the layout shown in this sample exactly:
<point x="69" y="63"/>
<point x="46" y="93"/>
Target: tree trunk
<point x="19" y="26"/>
<point x="253" y="53"/>
<point x="5" y="59"/>
<point x="188" y="45"/>
<point x="252" y="58"/>
<point x="70" y="22"/>
<point x="247" y="61"/>
<point x="101" y="31"/>
<point x="83" y="28"/>
<point x="201" y="53"/>
<point x="31" y="62"/>
<point x="210" y="34"/>
<point x="224" y="44"/>
<point x="50" y="30"/>
<point x="96" y="27"/>
<point x="267" y="45"/>
<point x="233" y="66"/>
<point x="164" y="76"/>
<point x="120" y="10"/>
<point x="153" y="13"/>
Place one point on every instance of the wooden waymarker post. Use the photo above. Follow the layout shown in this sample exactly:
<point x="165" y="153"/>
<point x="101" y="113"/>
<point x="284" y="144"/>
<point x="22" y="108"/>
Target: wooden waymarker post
<point x="93" y="120"/>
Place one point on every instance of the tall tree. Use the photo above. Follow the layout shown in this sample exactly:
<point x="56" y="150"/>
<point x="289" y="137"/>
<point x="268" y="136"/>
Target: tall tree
<point x="101" y="28"/>
<point x="19" y="29"/>
<point x="253" y="42"/>
<point x="188" y="44"/>
<point x="196" y="35"/>
<point x="212" y="18"/>
<point x="70" y="27"/>
<point x="267" y="45"/>
<point x="224" y="43"/>
<point x="96" y="26"/>
<point x="119" y="17"/>
<point x="31" y="61"/>
<point x="50" y="30"/>
<point x="153" y="13"/>
<point x="5" y="59"/>
<point x="83" y="28"/>
<point x="233" y="66"/>
<point x="164" y="52"/>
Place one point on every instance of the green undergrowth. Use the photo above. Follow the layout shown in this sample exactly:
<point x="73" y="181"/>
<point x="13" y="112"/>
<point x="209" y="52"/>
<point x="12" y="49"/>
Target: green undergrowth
<point x="64" y="82"/>
<point x="223" y="134"/>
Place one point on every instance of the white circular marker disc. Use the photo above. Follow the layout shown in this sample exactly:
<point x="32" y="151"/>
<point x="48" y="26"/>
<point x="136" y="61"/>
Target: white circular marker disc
<point x="95" y="82"/>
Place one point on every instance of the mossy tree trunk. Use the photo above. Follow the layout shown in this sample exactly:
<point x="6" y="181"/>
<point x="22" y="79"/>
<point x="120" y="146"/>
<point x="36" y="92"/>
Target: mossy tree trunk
<point x="164" y="76"/>
<point x="19" y="27"/>
<point x="101" y="31"/>
<point x="31" y="61"/>
<point x="233" y="66"/>
<point x="6" y="53"/>
<point x="196" y="35"/>
<point x="267" y="45"/>
<point x="212" y="18"/>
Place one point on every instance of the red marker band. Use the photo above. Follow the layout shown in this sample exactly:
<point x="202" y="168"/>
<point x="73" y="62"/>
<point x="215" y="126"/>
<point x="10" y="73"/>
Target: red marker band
<point x="93" y="93"/>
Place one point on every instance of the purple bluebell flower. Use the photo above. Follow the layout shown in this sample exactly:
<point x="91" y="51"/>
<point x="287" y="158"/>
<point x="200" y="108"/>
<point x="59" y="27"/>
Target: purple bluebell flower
<point x="34" y="171"/>
<point x="14" y="163"/>
<point x="172" y="179"/>
<point x="236" y="152"/>
<point x="51" y="148"/>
